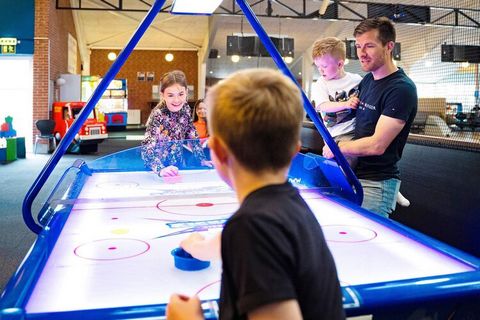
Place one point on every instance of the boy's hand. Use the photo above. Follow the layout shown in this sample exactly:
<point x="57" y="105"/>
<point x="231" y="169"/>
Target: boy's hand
<point x="169" y="171"/>
<point x="352" y="102"/>
<point x="327" y="153"/>
<point x="195" y="245"/>
<point x="182" y="307"/>
<point x="192" y="239"/>
<point x="202" y="248"/>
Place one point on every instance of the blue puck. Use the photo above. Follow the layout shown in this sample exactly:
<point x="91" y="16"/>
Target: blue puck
<point x="184" y="261"/>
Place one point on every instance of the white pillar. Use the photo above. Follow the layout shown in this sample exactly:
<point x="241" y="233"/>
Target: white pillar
<point x="307" y="73"/>
<point x="202" y="77"/>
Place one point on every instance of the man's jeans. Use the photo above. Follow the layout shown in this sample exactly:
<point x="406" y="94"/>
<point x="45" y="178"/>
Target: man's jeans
<point x="380" y="196"/>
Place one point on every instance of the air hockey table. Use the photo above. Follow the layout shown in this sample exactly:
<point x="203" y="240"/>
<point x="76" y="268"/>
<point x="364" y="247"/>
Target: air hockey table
<point x="106" y="230"/>
<point x="110" y="227"/>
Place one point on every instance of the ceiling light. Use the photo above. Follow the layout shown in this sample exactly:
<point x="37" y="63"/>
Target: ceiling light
<point x="112" y="56"/>
<point x="169" y="57"/>
<point x="288" y="59"/>
<point x="219" y="56"/>
<point x="211" y="72"/>
<point x="194" y="6"/>
<point x="346" y="62"/>
<point x="235" y="58"/>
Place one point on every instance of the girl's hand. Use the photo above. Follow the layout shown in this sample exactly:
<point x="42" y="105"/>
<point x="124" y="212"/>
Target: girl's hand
<point x="169" y="171"/>
<point x="182" y="307"/>
<point x="207" y="163"/>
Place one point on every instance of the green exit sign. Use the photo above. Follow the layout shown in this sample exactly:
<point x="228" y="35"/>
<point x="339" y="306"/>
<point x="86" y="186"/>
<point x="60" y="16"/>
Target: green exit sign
<point x="8" y="41"/>
<point x="7" y="49"/>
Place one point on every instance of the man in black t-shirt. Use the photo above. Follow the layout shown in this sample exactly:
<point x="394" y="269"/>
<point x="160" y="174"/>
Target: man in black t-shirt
<point x="388" y="105"/>
<point x="275" y="260"/>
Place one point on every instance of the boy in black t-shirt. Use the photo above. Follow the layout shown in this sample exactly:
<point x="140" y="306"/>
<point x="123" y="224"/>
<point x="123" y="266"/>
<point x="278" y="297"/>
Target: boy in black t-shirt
<point x="275" y="260"/>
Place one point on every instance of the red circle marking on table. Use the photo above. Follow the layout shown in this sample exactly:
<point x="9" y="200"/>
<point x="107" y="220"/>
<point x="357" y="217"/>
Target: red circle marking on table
<point x="204" y="204"/>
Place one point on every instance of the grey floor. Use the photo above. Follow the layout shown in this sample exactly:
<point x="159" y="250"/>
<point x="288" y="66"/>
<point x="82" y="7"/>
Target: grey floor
<point x="15" y="180"/>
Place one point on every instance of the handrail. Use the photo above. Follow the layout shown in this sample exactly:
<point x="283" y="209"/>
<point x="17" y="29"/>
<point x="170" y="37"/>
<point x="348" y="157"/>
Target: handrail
<point x="251" y="17"/>
<point x="97" y="94"/>
<point x="78" y="164"/>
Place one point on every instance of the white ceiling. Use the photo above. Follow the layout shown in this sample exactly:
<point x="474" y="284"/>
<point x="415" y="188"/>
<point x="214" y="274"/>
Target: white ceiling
<point x="112" y="29"/>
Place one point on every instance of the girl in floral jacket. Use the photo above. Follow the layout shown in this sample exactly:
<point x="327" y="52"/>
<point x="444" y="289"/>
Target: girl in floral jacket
<point x="168" y="124"/>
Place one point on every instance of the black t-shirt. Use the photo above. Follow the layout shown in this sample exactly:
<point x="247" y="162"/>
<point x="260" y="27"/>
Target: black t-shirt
<point x="394" y="96"/>
<point x="273" y="250"/>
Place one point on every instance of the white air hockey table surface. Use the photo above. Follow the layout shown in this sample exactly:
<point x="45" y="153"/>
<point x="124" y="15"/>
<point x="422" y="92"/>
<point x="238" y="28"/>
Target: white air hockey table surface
<point x="112" y="252"/>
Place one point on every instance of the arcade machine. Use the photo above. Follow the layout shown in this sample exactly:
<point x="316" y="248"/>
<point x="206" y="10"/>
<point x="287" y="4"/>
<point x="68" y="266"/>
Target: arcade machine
<point x="108" y="231"/>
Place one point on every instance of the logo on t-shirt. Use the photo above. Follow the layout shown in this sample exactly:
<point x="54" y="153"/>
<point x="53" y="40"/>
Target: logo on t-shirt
<point x="363" y="105"/>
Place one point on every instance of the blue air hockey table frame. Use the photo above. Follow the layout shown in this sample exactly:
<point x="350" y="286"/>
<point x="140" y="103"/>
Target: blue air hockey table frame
<point x="446" y="279"/>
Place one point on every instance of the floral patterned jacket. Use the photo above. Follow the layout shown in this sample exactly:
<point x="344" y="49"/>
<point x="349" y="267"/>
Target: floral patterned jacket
<point x="161" y="146"/>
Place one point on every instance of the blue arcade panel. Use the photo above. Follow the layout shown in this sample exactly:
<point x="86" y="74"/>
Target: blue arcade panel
<point x="116" y="119"/>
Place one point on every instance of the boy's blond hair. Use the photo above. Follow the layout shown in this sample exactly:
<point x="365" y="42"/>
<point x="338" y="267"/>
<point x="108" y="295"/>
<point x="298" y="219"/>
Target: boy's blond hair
<point x="330" y="45"/>
<point x="258" y="114"/>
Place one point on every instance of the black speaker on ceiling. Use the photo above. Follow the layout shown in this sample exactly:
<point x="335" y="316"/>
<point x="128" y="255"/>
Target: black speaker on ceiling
<point x="286" y="47"/>
<point x="233" y="45"/>
<point x="397" y="54"/>
<point x="249" y="46"/>
<point x="263" y="51"/>
<point x="242" y="46"/>
<point x="447" y="53"/>
<point x="460" y="53"/>
<point x="213" y="54"/>
<point x="469" y="54"/>
<point x="351" y="49"/>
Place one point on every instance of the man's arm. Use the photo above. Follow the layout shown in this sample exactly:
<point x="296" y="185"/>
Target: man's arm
<point x="288" y="310"/>
<point x="386" y="130"/>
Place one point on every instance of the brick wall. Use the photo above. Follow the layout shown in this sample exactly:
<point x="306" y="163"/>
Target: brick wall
<point x="140" y="92"/>
<point x="40" y="62"/>
<point x="60" y="25"/>
<point x="50" y="56"/>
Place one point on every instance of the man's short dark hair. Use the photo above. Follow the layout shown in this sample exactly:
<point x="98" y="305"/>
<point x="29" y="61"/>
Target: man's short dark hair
<point x="385" y="27"/>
